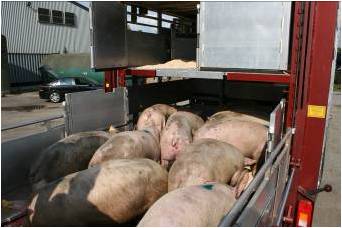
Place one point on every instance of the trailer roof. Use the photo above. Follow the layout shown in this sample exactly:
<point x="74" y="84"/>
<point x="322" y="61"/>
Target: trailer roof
<point x="181" y="9"/>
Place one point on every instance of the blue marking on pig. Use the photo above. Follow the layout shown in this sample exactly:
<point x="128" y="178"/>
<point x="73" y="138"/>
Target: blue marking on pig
<point x="208" y="186"/>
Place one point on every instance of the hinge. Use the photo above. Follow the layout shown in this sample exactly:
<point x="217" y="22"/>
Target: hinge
<point x="296" y="162"/>
<point x="288" y="219"/>
<point x="311" y="194"/>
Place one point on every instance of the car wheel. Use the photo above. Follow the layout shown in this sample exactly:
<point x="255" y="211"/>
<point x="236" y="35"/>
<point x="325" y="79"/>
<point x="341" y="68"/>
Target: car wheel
<point x="55" y="97"/>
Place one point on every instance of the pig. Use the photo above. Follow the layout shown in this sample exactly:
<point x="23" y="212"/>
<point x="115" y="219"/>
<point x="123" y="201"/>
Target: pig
<point x="128" y="144"/>
<point x="112" y="193"/>
<point x="198" y="205"/>
<point x="230" y="115"/>
<point x="249" y="137"/>
<point x="155" y="117"/>
<point x="178" y="132"/>
<point x="66" y="156"/>
<point x="206" y="160"/>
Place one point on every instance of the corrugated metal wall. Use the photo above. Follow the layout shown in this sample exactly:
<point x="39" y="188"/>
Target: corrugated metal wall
<point x="28" y="41"/>
<point x="23" y="68"/>
<point x="19" y="23"/>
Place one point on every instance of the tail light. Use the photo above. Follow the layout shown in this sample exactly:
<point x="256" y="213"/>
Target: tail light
<point x="304" y="213"/>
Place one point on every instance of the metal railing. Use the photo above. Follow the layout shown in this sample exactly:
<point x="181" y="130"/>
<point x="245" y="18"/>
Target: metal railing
<point x="232" y="216"/>
<point x="30" y="122"/>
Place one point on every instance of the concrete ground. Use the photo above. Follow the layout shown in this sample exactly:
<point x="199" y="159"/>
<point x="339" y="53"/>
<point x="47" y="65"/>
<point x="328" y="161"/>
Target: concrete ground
<point x="17" y="108"/>
<point x="328" y="205"/>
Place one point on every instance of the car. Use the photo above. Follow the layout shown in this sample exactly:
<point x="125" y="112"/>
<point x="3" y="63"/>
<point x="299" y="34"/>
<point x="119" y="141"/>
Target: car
<point x="55" y="90"/>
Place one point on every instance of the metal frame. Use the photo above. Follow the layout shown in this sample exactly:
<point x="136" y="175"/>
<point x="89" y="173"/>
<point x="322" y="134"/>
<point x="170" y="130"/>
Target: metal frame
<point x="95" y="110"/>
<point x="26" y="123"/>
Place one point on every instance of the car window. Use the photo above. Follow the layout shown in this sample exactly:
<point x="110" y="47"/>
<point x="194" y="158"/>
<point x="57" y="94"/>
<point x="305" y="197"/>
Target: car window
<point x="82" y="81"/>
<point x="67" y="81"/>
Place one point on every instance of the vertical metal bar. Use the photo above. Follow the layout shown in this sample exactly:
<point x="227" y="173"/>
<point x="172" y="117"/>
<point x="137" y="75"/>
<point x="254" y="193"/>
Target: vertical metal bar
<point x="294" y="61"/>
<point x="284" y="198"/>
<point x="159" y="21"/>
<point x="121" y="77"/>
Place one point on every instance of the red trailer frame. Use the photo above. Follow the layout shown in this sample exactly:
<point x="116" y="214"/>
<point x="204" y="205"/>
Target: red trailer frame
<point x="308" y="80"/>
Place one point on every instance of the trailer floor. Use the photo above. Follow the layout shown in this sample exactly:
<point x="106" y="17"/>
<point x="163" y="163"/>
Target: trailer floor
<point x="328" y="207"/>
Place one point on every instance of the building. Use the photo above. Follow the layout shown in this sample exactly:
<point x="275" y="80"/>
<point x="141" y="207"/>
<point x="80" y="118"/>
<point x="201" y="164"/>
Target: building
<point x="36" y="29"/>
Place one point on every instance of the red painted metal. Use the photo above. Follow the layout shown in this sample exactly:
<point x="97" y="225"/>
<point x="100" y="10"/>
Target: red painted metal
<point x="297" y="26"/>
<point x="142" y="73"/>
<point x="109" y="81"/>
<point x="318" y="85"/>
<point x="121" y="75"/>
<point x="113" y="79"/>
<point x="314" y="72"/>
<point x="258" y="77"/>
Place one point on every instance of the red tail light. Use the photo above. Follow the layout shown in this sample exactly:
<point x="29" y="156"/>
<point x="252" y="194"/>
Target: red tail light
<point x="304" y="213"/>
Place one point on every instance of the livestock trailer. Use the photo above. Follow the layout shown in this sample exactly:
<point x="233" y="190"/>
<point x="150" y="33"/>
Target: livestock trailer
<point x="273" y="60"/>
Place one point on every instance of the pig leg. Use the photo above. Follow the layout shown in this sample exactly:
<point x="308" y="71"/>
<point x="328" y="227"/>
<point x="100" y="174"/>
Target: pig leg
<point x="235" y="178"/>
<point x="166" y="164"/>
<point x="244" y="180"/>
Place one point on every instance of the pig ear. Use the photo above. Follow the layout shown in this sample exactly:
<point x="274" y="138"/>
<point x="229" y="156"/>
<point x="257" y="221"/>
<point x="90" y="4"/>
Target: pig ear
<point x="249" y="162"/>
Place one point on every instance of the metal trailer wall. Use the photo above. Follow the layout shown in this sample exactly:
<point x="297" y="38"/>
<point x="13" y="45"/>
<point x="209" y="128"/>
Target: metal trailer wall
<point x="23" y="68"/>
<point x="244" y="35"/>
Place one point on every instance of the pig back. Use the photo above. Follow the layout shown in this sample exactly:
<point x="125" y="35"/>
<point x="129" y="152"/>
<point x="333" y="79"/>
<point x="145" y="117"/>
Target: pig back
<point x="249" y="137"/>
<point x="166" y="110"/>
<point x="194" y="120"/>
<point x="112" y="193"/>
<point x="201" y="205"/>
<point x="66" y="156"/>
<point x="230" y="115"/>
<point x="129" y="144"/>
<point x="206" y="160"/>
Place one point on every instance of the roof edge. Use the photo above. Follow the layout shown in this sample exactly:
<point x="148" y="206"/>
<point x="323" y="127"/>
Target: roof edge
<point x="79" y="5"/>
